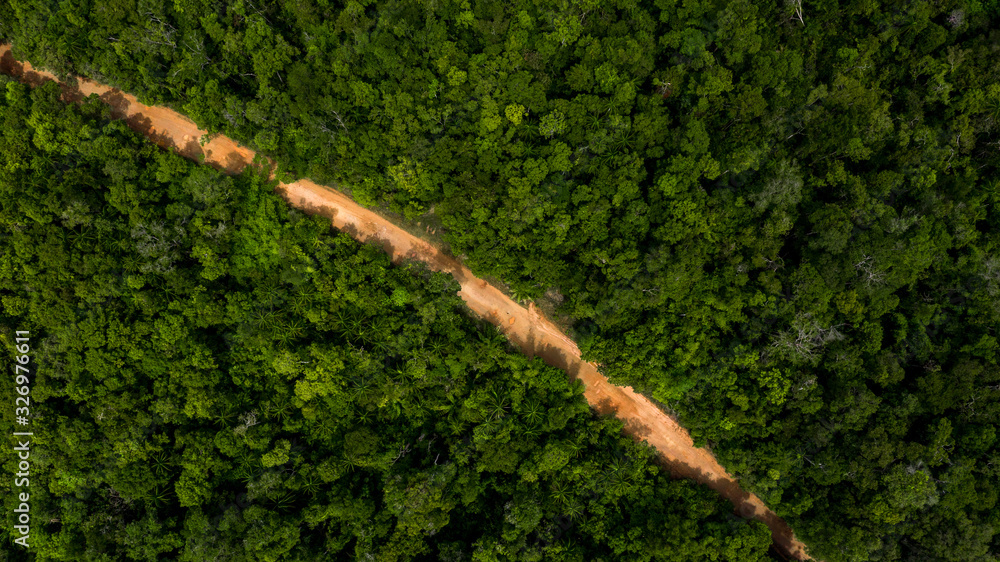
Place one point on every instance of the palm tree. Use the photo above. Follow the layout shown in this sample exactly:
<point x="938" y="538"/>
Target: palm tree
<point x="138" y="300"/>
<point x="382" y="344"/>
<point x="324" y="431"/>
<point x="575" y="511"/>
<point x="279" y="411"/>
<point x="270" y="294"/>
<point x="531" y="431"/>
<point x="296" y="327"/>
<point x="624" y="140"/>
<point x="158" y="496"/>
<point x="310" y="484"/>
<point x="223" y="417"/>
<point x="561" y="491"/>
<point x="534" y="411"/>
<point x="284" y="501"/>
<point x="519" y="295"/>
<point x="84" y="238"/>
<point x="264" y="318"/>
<point x="364" y="415"/>
<point x="160" y="463"/>
<point x="361" y="387"/>
<point x="73" y="45"/>
<point x="130" y="263"/>
<point x="496" y="404"/>
<point x="437" y="346"/>
<point x="287" y="332"/>
<point x="301" y="304"/>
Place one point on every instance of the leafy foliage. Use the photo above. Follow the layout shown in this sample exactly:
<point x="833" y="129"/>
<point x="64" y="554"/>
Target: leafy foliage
<point x="221" y="378"/>
<point x="777" y="218"/>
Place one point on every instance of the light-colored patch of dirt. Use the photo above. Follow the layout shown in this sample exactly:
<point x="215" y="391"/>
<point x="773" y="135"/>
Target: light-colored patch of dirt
<point x="534" y="334"/>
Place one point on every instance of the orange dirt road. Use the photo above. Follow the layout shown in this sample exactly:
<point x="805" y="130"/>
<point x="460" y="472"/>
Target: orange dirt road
<point x="526" y="327"/>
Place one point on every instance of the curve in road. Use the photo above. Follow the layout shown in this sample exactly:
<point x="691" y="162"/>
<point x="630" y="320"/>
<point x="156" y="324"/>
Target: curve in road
<point x="534" y="334"/>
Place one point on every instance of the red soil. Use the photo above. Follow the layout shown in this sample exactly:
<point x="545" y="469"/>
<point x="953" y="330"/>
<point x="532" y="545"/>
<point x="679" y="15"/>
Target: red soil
<point x="526" y="327"/>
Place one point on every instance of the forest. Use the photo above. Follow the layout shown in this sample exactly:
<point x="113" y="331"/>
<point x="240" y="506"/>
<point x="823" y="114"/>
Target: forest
<point x="220" y="377"/>
<point x="779" y="220"/>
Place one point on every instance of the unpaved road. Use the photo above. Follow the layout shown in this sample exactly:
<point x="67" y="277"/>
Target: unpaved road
<point x="526" y="327"/>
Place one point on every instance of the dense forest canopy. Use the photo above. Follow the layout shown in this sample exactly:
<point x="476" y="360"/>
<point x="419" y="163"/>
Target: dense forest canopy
<point x="777" y="218"/>
<point x="218" y="377"/>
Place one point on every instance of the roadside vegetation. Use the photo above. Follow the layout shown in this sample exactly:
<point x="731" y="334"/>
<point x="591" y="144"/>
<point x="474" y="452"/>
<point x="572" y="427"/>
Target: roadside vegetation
<point x="778" y="219"/>
<point x="219" y="377"/>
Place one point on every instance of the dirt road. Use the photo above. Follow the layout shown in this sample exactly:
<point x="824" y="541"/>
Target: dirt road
<point x="526" y="327"/>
